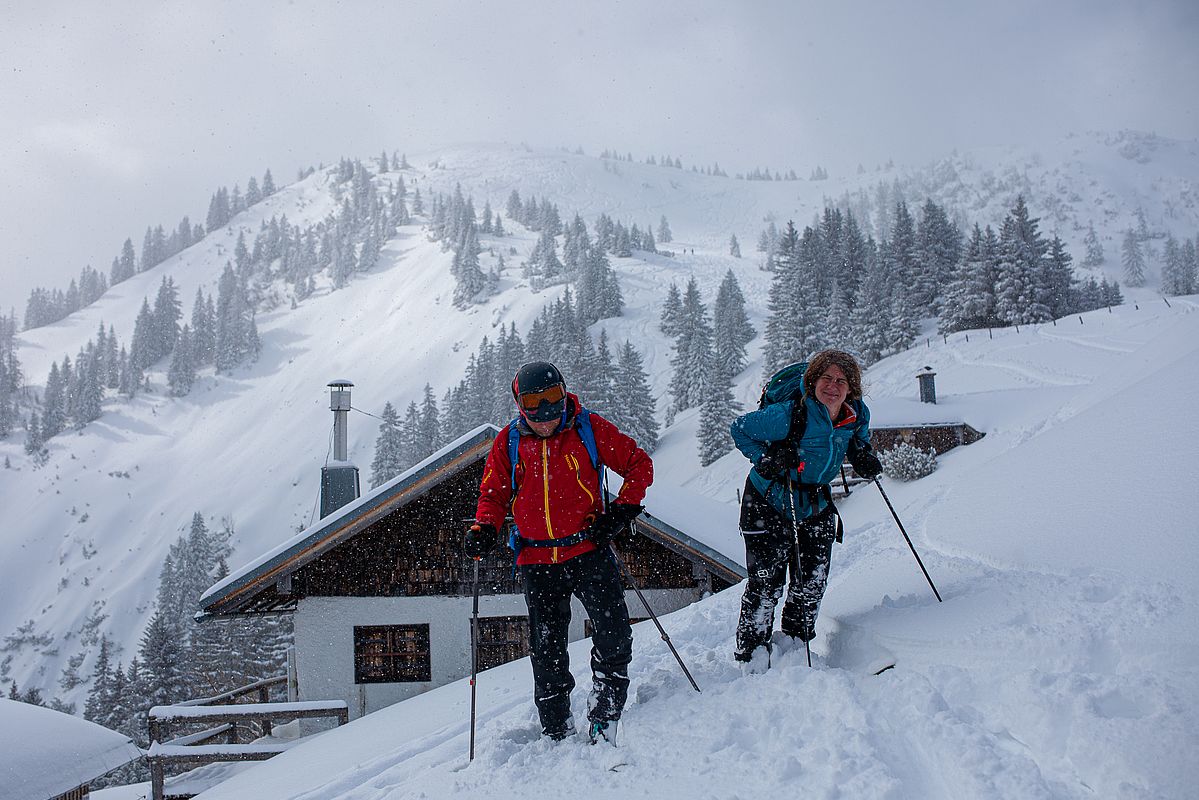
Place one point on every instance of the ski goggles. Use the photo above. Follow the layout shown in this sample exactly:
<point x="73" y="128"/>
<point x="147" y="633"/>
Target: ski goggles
<point x="531" y="401"/>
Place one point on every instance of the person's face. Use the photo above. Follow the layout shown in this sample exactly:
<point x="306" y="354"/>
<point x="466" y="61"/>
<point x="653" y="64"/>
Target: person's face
<point x="832" y="388"/>
<point x="543" y="429"/>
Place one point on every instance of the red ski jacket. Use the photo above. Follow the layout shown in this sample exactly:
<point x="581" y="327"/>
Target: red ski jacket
<point x="558" y="492"/>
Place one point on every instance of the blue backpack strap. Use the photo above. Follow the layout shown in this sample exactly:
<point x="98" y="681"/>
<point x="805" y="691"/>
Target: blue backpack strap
<point x="587" y="434"/>
<point x="513" y="450"/>
<point x="514" y="458"/>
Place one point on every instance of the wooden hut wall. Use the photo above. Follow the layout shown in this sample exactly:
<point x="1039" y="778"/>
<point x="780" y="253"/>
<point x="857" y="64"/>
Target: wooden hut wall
<point x="940" y="438"/>
<point x="417" y="551"/>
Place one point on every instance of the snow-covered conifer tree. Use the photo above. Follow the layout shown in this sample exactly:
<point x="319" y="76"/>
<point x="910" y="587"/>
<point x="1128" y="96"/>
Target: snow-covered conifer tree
<point x="54" y="418"/>
<point x="163" y="657"/>
<point x="716" y="414"/>
<point x="731" y="330"/>
<point x="1133" y="259"/>
<point x="1094" y="250"/>
<point x="182" y="373"/>
<point x="692" y="352"/>
<point x="664" y="233"/>
<point x="672" y="310"/>
<point x="634" y="399"/>
<point x="167" y="313"/>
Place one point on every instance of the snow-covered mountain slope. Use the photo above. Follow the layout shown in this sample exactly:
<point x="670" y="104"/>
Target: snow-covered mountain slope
<point x="1063" y="662"/>
<point x="84" y="536"/>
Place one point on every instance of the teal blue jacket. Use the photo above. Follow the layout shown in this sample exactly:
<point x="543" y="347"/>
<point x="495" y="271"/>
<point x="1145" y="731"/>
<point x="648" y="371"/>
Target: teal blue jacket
<point x="821" y="450"/>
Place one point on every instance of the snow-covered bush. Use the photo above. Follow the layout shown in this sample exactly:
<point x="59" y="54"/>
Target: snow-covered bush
<point x="906" y="462"/>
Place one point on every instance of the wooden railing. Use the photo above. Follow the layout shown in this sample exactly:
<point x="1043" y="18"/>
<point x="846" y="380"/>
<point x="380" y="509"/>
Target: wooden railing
<point x="225" y="721"/>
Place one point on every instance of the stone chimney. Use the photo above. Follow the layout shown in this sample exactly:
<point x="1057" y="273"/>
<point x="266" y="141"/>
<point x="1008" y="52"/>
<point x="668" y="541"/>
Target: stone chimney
<point x="339" y="480"/>
<point x="928" y="387"/>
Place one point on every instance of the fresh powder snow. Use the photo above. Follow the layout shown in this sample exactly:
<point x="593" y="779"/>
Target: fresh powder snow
<point x="1061" y="664"/>
<point x="1064" y="662"/>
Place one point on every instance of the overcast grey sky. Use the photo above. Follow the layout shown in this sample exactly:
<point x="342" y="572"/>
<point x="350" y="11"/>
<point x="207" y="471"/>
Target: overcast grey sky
<point x="121" y="115"/>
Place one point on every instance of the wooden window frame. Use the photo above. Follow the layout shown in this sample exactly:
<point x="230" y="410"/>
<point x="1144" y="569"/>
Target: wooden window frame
<point x="405" y="653"/>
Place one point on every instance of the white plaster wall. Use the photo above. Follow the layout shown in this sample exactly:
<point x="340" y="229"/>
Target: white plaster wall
<point x="324" y="636"/>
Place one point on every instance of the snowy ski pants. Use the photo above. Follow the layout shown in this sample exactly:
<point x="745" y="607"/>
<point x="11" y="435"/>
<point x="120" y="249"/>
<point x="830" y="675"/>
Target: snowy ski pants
<point x="769" y="556"/>
<point x="593" y="578"/>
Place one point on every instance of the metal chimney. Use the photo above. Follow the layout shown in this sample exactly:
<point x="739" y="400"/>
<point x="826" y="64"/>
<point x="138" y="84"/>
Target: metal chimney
<point x="928" y="387"/>
<point x="339" y="480"/>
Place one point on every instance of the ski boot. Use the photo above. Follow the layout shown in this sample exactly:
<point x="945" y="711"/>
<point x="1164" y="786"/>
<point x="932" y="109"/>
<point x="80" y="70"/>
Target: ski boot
<point x="603" y="731"/>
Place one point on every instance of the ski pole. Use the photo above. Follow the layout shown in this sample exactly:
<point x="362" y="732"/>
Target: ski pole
<point x="795" y="551"/>
<point x="887" y="500"/>
<point x="474" y="660"/>
<point x="665" y="637"/>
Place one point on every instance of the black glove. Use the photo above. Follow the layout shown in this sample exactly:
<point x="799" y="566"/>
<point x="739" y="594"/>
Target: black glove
<point x="481" y="539"/>
<point x="865" y="462"/>
<point x="613" y="524"/>
<point x="778" y="459"/>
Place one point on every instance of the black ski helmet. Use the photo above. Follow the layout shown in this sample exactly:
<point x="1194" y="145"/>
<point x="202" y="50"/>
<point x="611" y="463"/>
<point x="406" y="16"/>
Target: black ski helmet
<point x="538" y="378"/>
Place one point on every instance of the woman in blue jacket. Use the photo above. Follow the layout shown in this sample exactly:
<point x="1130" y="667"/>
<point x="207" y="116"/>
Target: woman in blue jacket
<point x="787" y="516"/>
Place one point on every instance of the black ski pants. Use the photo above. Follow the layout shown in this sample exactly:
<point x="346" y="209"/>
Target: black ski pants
<point x="595" y="579"/>
<point x="772" y="550"/>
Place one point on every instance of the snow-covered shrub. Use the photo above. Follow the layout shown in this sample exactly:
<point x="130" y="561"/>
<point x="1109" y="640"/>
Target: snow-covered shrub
<point x="906" y="462"/>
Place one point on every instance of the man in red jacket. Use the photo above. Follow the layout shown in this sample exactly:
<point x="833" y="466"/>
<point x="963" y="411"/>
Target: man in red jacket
<point x="563" y="533"/>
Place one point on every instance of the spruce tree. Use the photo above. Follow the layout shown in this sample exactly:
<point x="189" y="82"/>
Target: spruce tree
<point x="143" y="349"/>
<point x="1056" y="283"/>
<point x="54" y="418"/>
<point x="782" y="342"/>
<point x="1094" y="250"/>
<point x="1020" y="294"/>
<point x="1133" y="260"/>
<point x="903" y="258"/>
<point x="543" y="267"/>
<point x="1190" y="267"/>
<point x="692" y="352"/>
<point x="163" y="658"/>
<point x="99" y="699"/>
<point x="203" y="330"/>
<point x="90" y="392"/>
<point x="734" y="247"/>
<point x="167" y="313"/>
<point x="670" y="323"/>
<point x="182" y="373"/>
<point x="1173" y="269"/>
<point x="10" y="377"/>
<point x="664" y="233"/>
<point x="469" y="277"/>
<point x="731" y="330"/>
<point x="939" y="247"/>
<point x="870" y="314"/>
<point x="428" y="434"/>
<point x="387" y="462"/>
<point x="633" y="408"/>
<point x="128" y="262"/>
<point x="969" y="299"/>
<point x="717" y="413"/>
<point x="602" y="387"/>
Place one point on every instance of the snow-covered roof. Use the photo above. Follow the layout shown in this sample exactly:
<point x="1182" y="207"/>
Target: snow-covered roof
<point x="347" y="520"/>
<point x="902" y="412"/>
<point x="661" y="523"/>
<point x="46" y="752"/>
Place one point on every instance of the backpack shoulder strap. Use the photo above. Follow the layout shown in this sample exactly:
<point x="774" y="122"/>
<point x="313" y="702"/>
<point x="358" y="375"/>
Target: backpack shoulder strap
<point x="586" y="433"/>
<point x="513" y="450"/>
<point x="799" y="420"/>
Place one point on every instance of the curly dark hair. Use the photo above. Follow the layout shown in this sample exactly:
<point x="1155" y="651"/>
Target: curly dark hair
<point x="834" y="358"/>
